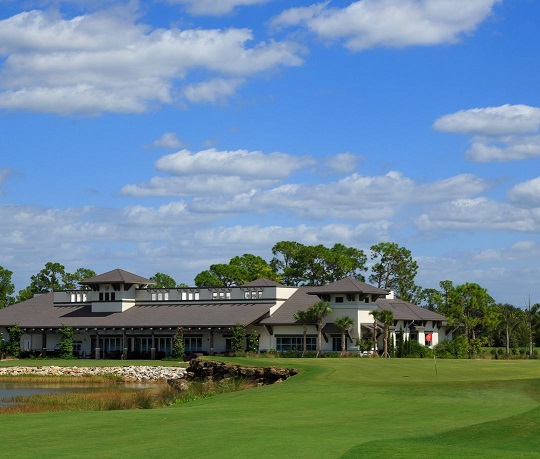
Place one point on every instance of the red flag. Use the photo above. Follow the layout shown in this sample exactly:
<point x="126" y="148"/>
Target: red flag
<point x="428" y="337"/>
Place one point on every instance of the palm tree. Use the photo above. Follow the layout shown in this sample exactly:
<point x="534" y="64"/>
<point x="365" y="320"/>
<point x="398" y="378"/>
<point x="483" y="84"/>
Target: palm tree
<point x="318" y="311"/>
<point x="344" y="323"/>
<point x="303" y="317"/>
<point x="386" y="318"/>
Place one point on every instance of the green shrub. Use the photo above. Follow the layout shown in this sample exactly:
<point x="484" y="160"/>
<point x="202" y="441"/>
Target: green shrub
<point x="253" y="342"/>
<point x="13" y="347"/>
<point x="178" y="348"/>
<point x="238" y="340"/>
<point x="455" y="349"/>
<point x="66" y="342"/>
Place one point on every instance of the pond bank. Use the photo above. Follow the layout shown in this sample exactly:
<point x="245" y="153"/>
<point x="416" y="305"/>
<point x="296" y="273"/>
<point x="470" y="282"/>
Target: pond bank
<point x="129" y="373"/>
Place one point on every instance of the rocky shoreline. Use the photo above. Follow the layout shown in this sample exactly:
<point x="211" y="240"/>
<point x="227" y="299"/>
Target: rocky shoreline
<point x="129" y="373"/>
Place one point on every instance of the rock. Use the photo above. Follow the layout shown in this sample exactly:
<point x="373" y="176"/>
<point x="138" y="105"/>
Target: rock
<point x="131" y="373"/>
<point x="206" y="370"/>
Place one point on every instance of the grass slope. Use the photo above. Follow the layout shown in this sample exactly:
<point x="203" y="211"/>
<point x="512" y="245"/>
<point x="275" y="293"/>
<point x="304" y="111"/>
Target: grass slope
<point x="334" y="408"/>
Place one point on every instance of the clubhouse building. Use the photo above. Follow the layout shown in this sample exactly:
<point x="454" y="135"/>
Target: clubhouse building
<point x="122" y="315"/>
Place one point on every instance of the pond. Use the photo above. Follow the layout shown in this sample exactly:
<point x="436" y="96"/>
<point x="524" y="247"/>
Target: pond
<point x="9" y="390"/>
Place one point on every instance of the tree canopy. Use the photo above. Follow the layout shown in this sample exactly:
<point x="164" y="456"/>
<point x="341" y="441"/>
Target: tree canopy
<point x="240" y="270"/>
<point x="6" y="287"/>
<point x="300" y="264"/>
<point x="394" y="269"/>
<point x="471" y="308"/>
<point x="163" y="280"/>
<point x="53" y="277"/>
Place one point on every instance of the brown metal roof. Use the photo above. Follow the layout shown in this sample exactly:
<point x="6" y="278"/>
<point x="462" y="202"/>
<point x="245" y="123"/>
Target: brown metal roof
<point x="404" y="310"/>
<point x="347" y="285"/>
<point x="117" y="276"/>
<point x="299" y="301"/>
<point x="40" y="312"/>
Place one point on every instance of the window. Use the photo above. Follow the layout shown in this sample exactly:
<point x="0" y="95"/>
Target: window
<point x="193" y="343"/>
<point x="110" y="345"/>
<point x="160" y="296"/>
<point x="143" y="345"/>
<point x="190" y="296"/>
<point x="253" y="295"/>
<point x="164" y="345"/>
<point x="221" y="295"/>
<point x="78" y="297"/>
<point x="295" y="343"/>
<point x="339" y="299"/>
<point x="336" y="343"/>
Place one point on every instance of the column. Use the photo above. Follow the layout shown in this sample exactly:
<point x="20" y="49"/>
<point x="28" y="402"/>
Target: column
<point x="43" y="343"/>
<point x="124" y="345"/>
<point x="153" y="348"/>
<point x="97" y="351"/>
<point x="211" y="342"/>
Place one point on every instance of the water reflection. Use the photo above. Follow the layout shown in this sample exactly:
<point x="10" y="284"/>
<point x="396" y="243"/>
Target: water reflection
<point x="9" y="390"/>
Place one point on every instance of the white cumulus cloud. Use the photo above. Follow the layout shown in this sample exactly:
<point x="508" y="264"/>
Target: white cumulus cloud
<point x="526" y="194"/>
<point x="168" y="140"/>
<point x="101" y="62"/>
<point x="212" y="91"/>
<point x="390" y="23"/>
<point x="243" y="163"/>
<point x="215" y="7"/>
<point x="504" y="133"/>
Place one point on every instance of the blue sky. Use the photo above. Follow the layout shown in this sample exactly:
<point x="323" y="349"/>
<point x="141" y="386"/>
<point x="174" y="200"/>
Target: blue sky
<point x="173" y="134"/>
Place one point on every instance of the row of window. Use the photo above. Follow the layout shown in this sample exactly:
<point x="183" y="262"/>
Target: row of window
<point x="195" y="296"/>
<point x="81" y="297"/>
<point x="295" y="343"/>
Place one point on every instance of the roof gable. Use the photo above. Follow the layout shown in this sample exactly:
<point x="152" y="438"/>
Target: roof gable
<point x="117" y="276"/>
<point x="347" y="285"/>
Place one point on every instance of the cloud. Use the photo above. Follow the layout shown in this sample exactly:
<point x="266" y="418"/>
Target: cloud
<point x="355" y="197"/>
<point x="238" y="163"/>
<point x="168" y="140"/>
<point x="519" y="251"/>
<point x="199" y="185"/>
<point x="526" y="194"/>
<point x="217" y="173"/>
<point x="343" y="162"/>
<point x="108" y="62"/>
<point x="504" y="133"/>
<point x="491" y="121"/>
<point x="215" y="7"/>
<point x="478" y="214"/>
<point x="212" y="91"/>
<point x="390" y="23"/>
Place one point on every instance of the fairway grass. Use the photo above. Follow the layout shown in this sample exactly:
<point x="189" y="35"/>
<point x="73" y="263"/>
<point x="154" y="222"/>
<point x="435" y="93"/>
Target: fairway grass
<point x="334" y="408"/>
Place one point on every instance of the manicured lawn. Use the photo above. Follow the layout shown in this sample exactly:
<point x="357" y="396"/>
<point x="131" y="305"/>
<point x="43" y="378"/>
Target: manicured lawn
<point x="334" y="408"/>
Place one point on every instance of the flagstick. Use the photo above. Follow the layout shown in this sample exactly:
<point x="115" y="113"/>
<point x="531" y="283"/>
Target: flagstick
<point x="435" y="361"/>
